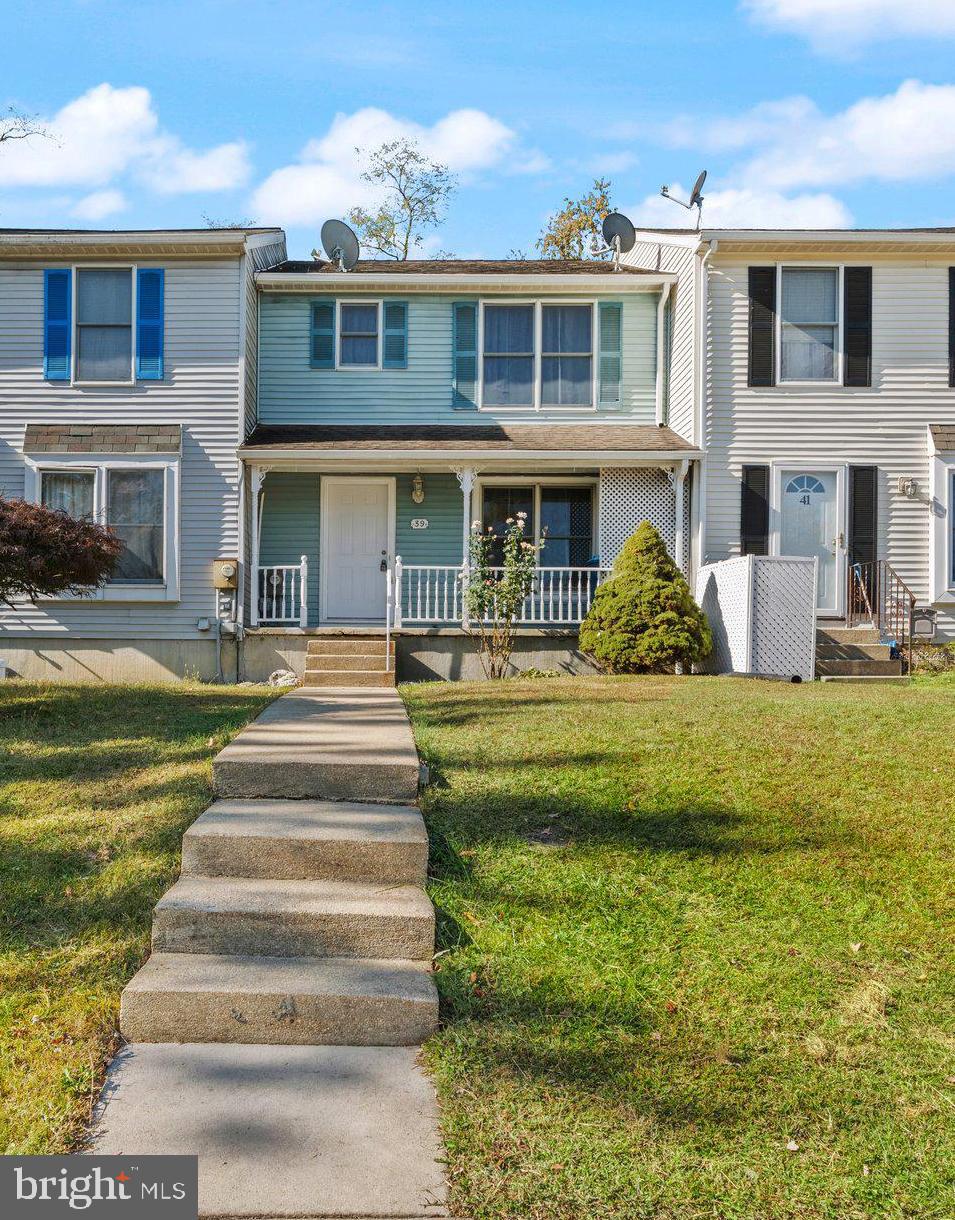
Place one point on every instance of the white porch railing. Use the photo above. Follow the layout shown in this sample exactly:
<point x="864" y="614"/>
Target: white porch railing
<point x="282" y="595"/>
<point x="429" y="593"/>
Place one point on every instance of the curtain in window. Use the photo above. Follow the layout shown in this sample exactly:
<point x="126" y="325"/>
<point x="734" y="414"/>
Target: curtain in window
<point x="501" y="503"/>
<point x="359" y="334"/>
<point x="104" y="331"/>
<point x="509" y="355"/>
<point x="566" y="525"/>
<point x="566" y="355"/>
<point x="135" y="512"/>
<point x="809" y="319"/>
<point x="69" y="491"/>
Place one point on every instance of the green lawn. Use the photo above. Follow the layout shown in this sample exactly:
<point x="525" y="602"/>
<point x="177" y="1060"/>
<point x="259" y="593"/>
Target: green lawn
<point x="97" y="784"/>
<point x="697" y="952"/>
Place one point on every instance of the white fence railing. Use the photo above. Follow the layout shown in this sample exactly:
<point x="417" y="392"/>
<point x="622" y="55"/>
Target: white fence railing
<point x="429" y="593"/>
<point x="281" y="597"/>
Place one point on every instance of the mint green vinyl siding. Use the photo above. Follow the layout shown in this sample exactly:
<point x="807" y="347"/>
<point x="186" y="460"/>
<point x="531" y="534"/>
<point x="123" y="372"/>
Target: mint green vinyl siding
<point x="291" y="527"/>
<point x="443" y="509"/>
<point x="291" y="391"/>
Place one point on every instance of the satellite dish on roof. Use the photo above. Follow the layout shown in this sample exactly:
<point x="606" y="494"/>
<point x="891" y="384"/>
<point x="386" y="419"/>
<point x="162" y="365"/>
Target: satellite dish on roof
<point x="340" y="244"/>
<point x="619" y="233"/>
<point x="696" y="198"/>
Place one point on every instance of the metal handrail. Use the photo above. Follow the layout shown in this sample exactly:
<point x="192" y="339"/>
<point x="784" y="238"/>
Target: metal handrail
<point x="877" y="593"/>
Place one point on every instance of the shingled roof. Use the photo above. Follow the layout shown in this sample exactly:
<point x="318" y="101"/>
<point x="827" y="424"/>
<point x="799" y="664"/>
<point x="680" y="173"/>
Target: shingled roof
<point x="456" y="266"/>
<point x="102" y="438"/>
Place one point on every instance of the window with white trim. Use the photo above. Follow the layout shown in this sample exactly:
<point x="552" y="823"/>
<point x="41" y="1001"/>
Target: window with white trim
<point x="104" y="324"/>
<point x="359" y="331"/>
<point x="809" y="321"/>
<point x="560" y="515"/>
<point x="537" y="354"/>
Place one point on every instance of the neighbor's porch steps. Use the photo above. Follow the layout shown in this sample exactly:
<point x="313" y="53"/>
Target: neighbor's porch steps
<point x="855" y="654"/>
<point x="350" y="661"/>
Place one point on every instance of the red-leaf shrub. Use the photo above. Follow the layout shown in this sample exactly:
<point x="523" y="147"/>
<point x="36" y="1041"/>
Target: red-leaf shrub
<point x="45" y="552"/>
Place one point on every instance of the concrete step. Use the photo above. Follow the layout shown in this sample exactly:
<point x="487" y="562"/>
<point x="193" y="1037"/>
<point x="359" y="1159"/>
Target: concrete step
<point x="863" y="679"/>
<point x="327" y="661"/>
<point x="858" y="669"/>
<point x="202" y="997"/>
<point x="854" y="652"/>
<point x="308" y="840"/>
<point x="369" y="644"/>
<point x="294" y="919"/>
<point x="847" y="635"/>
<point x="346" y="744"/>
<point x="351" y="677"/>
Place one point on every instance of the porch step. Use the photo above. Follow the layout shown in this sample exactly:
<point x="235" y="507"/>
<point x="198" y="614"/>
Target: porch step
<point x="333" y="1001"/>
<point x="365" y="645"/>
<point x="308" y="840"/>
<point x="349" y="677"/>
<point x="836" y="634"/>
<point x="350" y="661"/>
<point x="875" y="680"/>
<point x="293" y="919"/>
<point x="858" y="668"/>
<point x="854" y="652"/>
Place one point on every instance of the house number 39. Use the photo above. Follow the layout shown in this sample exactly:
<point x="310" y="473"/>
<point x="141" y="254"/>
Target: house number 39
<point x="419" y="523"/>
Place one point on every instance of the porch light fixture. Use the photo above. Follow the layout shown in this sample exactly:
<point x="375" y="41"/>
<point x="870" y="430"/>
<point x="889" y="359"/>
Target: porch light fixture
<point x="417" y="489"/>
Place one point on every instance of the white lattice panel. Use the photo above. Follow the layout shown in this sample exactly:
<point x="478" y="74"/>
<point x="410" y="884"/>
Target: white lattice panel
<point x="723" y="593"/>
<point x="762" y="612"/>
<point x="784" y="617"/>
<point x="630" y="495"/>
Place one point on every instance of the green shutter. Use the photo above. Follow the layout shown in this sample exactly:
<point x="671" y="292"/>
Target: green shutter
<point x="322" y="350"/>
<point x="57" y="319"/>
<point x="464" y="397"/>
<point x="395" y="335"/>
<point x="610" y="332"/>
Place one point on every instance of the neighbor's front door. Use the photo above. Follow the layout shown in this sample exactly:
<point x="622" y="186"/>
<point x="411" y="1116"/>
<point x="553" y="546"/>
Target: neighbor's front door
<point x="355" y="548"/>
<point x="810" y="523"/>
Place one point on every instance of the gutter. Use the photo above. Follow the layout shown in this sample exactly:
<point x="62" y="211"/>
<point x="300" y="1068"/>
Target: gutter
<point x="592" y="456"/>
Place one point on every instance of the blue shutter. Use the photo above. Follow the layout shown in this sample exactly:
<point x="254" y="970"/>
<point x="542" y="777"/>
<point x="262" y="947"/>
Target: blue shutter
<point x="396" y="335"/>
<point x="609" y="371"/>
<point x="150" y="292"/>
<point x="57" y="319"/>
<point x="464" y="397"/>
<point x="322" y="344"/>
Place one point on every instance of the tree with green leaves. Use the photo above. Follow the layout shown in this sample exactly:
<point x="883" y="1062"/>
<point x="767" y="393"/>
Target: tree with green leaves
<point x="643" y="619"/>
<point x="415" y="192"/>
<point x="575" y="229"/>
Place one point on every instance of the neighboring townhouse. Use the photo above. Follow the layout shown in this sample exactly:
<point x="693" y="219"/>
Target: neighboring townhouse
<point x="401" y="401"/>
<point x="127" y="371"/>
<point x="823" y="394"/>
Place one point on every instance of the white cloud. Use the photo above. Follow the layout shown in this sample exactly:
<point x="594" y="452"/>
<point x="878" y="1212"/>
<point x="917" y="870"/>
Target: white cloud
<point x="99" y="205"/>
<point x="326" y="179"/>
<point x="745" y="208"/>
<point x="836" y="25"/>
<point x="108" y="132"/>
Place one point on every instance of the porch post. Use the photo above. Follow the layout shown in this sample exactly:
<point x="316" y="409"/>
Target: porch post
<point x="465" y="477"/>
<point x="257" y="474"/>
<point x="679" y="492"/>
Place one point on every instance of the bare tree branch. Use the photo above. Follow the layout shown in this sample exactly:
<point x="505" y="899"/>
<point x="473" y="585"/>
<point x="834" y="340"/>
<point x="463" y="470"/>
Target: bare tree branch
<point x="416" y="195"/>
<point x="15" y="125"/>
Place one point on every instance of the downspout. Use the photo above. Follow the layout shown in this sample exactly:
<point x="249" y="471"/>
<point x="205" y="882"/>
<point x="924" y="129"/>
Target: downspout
<point x="699" y="404"/>
<point x="662" y="412"/>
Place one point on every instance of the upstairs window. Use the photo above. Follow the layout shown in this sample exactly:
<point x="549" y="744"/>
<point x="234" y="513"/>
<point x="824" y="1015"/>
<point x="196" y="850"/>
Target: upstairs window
<point x="567" y="355"/>
<point x="104" y="324"/>
<point x="809" y="324"/>
<point x="359" y="336"/>
<point x="509" y="355"/>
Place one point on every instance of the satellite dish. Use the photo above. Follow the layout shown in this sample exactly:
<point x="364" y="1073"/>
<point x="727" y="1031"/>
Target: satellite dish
<point x="340" y="244"/>
<point x="696" y="199"/>
<point x="618" y="232"/>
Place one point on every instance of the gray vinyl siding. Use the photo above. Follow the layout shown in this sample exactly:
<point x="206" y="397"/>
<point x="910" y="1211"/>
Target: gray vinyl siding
<point x="681" y="372"/>
<point x="257" y="259"/>
<point x="292" y="392"/>
<point x="200" y="391"/>
<point x="884" y="425"/>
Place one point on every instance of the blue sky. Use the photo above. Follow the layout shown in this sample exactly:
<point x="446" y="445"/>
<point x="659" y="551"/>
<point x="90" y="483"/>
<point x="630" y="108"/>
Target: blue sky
<point x="805" y="112"/>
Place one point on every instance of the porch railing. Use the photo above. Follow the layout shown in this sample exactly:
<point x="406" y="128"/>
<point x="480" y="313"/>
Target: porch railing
<point x="282" y="595"/>
<point x="428" y="593"/>
<point x="879" y="596"/>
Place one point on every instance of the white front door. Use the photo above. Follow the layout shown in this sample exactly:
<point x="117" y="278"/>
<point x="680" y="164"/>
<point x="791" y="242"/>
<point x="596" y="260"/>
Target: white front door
<point x="355" y="548"/>
<point x="810" y="517"/>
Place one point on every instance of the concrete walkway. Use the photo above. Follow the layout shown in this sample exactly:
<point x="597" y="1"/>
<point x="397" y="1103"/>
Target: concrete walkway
<point x="274" y="1030"/>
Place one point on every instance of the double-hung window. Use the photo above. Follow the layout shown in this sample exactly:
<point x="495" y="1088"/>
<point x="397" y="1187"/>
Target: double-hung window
<point x="538" y="356"/>
<point x="358" y="342"/>
<point x="69" y="491"/>
<point x="809" y="324"/>
<point x="104" y="324"/>
<point x="509" y="355"/>
<point x="567" y="370"/>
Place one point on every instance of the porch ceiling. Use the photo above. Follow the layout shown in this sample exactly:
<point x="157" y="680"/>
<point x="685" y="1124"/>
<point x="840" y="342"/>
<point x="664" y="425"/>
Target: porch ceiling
<point x="593" y="443"/>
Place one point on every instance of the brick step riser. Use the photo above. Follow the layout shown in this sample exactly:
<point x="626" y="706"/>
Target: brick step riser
<point x="290" y="860"/>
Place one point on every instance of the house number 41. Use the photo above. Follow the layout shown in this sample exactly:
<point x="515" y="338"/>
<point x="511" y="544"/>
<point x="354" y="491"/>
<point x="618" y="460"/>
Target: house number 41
<point x="419" y="523"/>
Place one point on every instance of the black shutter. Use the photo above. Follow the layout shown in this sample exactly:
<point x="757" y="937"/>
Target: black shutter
<point x="762" y="326"/>
<point x="754" y="511"/>
<point x="951" y="326"/>
<point x="857" y="326"/>
<point x="863" y="513"/>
